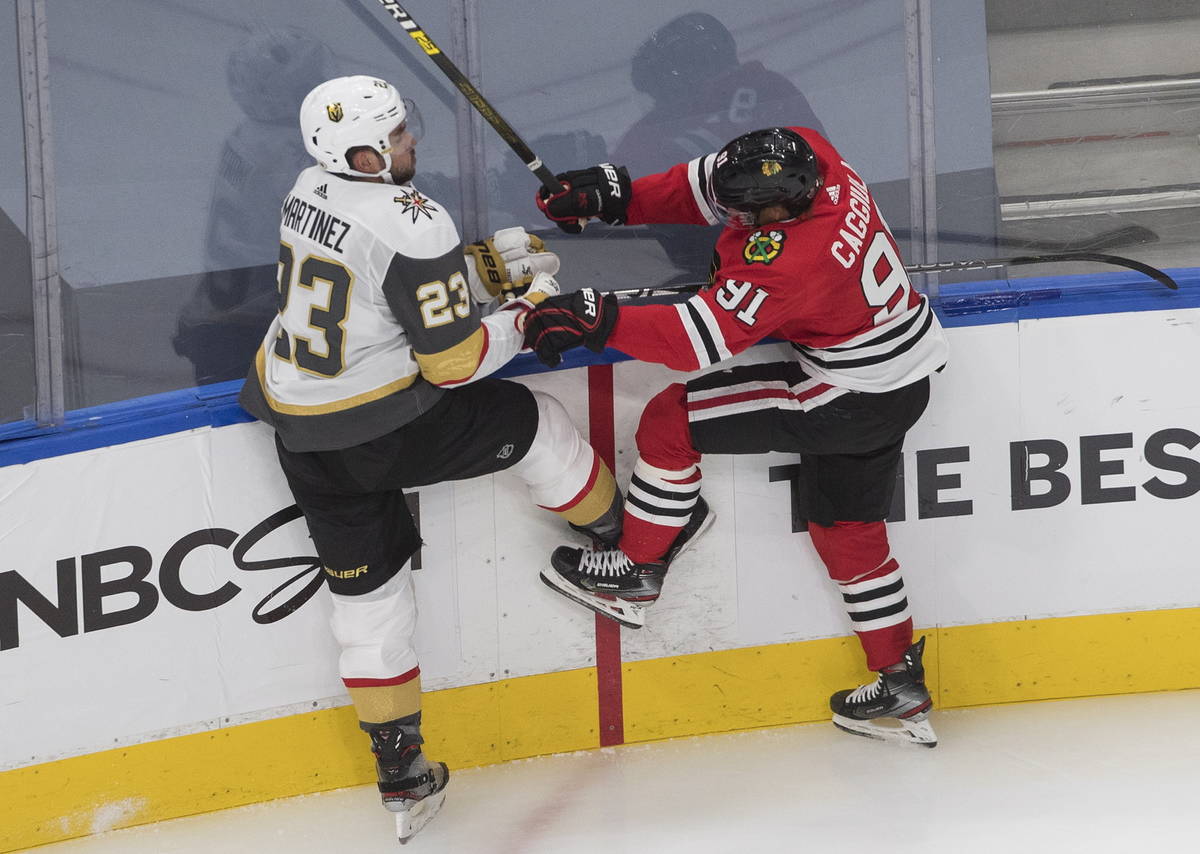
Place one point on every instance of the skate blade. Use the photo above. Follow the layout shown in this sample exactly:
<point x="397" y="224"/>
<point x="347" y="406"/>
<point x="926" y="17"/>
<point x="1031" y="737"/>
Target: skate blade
<point x="628" y="614"/>
<point x="916" y="732"/>
<point x="411" y="820"/>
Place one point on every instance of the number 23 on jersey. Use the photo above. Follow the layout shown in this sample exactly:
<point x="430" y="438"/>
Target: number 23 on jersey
<point x="326" y="320"/>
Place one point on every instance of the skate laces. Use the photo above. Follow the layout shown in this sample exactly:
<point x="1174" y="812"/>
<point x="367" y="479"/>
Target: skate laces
<point x="604" y="562"/>
<point x="866" y="693"/>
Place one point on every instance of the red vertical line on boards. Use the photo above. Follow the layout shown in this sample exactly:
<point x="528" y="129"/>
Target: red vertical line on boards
<point x="602" y="434"/>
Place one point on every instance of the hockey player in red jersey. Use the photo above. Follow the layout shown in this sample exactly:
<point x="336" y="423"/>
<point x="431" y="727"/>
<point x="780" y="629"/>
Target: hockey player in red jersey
<point x="805" y="257"/>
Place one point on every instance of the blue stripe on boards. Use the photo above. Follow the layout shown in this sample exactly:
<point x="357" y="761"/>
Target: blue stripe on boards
<point x="964" y="304"/>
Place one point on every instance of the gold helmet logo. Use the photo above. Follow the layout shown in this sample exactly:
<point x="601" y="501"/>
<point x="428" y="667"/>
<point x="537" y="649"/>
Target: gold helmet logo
<point x="335" y="112"/>
<point x="770" y="167"/>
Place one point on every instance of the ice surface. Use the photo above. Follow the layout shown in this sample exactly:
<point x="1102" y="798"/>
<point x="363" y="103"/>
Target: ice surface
<point x="1098" y="775"/>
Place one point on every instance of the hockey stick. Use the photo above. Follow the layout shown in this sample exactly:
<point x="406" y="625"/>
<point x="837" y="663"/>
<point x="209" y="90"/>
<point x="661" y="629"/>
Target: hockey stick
<point x="952" y="266"/>
<point x="1129" y="235"/>
<point x="1048" y="258"/>
<point x="477" y="100"/>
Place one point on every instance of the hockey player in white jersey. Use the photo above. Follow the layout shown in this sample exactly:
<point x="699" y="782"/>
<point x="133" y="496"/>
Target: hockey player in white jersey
<point x="375" y="377"/>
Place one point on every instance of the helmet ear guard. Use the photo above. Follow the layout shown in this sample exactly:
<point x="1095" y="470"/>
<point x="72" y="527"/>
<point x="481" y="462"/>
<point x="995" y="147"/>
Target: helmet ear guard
<point x="774" y="166"/>
<point x="348" y="113"/>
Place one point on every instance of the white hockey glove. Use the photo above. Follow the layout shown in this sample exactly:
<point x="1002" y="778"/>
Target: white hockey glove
<point x="542" y="288"/>
<point x="506" y="264"/>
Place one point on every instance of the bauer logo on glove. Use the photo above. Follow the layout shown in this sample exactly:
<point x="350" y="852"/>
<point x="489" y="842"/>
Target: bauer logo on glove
<point x="602" y="191"/>
<point x="584" y="318"/>
<point x="506" y="263"/>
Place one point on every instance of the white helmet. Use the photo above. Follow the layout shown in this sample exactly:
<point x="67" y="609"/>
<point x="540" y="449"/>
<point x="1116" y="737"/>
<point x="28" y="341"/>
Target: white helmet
<point x="349" y="112"/>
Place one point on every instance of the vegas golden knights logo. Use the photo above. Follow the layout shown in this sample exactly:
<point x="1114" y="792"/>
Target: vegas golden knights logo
<point x="770" y="167"/>
<point x="335" y="112"/>
<point x="415" y="204"/>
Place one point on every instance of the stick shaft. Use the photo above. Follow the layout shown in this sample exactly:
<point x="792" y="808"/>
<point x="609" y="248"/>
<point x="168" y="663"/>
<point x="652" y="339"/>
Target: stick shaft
<point x="952" y="266"/>
<point x="1048" y="258"/>
<point x="473" y="95"/>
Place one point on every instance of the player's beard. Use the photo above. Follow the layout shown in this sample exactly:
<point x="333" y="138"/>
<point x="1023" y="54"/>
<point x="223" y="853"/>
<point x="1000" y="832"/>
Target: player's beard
<point x="402" y="175"/>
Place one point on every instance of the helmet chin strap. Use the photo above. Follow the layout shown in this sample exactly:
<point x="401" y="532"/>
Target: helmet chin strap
<point x="385" y="173"/>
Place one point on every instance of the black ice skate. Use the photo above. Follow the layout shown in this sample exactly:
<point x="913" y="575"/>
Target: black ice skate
<point x="411" y="786"/>
<point x="605" y="532"/>
<point x="608" y="582"/>
<point x="899" y="696"/>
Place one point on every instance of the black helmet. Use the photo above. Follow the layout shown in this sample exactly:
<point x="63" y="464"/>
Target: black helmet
<point x="682" y="54"/>
<point x="774" y="166"/>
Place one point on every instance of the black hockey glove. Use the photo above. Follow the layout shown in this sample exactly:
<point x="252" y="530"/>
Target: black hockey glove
<point x="561" y="322"/>
<point x="602" y="191"/>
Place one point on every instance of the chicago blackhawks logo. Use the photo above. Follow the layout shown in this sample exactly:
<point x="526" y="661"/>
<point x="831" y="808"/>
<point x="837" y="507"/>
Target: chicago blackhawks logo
<point x="763" y="246"/>
<point x="334" y="111"/>
<point x="416" y="204"/>
<point x="771" y="167"/>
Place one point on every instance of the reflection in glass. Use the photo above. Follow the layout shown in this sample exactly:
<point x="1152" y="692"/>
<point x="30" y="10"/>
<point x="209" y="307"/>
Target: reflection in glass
<point x="703" y="98"/>
<point x="16" y="279"/>
<point x="268" y="75"/>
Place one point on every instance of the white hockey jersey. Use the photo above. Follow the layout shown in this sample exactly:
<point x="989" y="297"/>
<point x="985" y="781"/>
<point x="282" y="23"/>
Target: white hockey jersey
<point x="375" y="315"/>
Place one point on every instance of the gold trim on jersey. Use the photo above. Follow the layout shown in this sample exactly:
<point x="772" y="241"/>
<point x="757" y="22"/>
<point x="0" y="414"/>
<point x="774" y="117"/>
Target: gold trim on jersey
<point x="453" y="364"/>
<point x="334" y="405"/>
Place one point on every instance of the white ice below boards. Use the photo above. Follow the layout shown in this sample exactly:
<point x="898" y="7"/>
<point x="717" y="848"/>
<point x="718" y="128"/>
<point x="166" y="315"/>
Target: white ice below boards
<point x="1102" y="776"/>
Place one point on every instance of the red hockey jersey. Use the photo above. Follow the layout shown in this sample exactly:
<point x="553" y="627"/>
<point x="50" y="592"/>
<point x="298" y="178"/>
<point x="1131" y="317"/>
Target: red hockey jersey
<point x="829" y="281"/>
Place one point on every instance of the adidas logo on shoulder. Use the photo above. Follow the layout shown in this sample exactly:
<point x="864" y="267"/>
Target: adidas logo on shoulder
<point x="322" y="191"/>
<point x="835" y="193"/>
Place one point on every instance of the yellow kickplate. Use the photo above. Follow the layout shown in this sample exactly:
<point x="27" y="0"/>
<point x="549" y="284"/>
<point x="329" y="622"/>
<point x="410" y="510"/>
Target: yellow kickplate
<point x="555" y="712"/>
